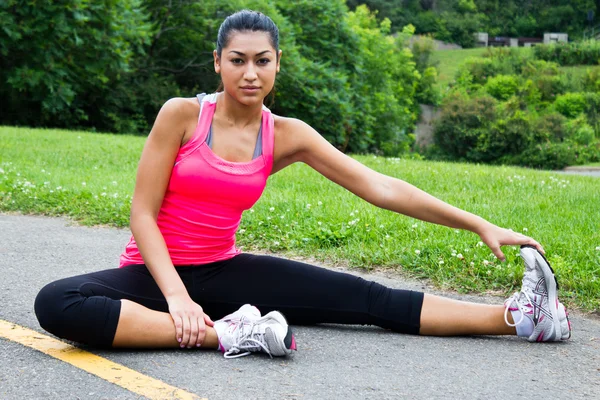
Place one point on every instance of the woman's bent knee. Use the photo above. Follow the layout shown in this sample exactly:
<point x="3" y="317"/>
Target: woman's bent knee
<point x="48" y="307"/>
<point x="63" y="310"/>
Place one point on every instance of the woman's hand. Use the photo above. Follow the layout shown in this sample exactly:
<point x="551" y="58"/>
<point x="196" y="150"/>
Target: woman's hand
<point x="190" y="321"/>
<point x="494" y="237"/>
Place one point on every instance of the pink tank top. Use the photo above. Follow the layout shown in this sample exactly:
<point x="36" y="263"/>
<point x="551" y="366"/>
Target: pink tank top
<point x="206" y="196"/>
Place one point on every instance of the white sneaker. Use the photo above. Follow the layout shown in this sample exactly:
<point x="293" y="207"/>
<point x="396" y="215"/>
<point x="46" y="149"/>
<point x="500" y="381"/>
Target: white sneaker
<point x="244" y="333"/>
<point x="538" y="300"/>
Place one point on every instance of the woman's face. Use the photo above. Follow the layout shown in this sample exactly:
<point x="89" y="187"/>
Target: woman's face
<point x="248" y="66"/>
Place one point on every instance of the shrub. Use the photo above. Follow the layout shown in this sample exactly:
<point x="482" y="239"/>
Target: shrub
<point x="502" y="87"/>
<point x="462" y="121"/>
<point x="586" y="52"/>
<point x="550" y="128"/>
<point x="591" y="80"/>
<point x="427" y="91"/>
<point x="548" y="156"/>
<point x="550" y="86"/>
<point x="535" y="68"/>
<point x="479" y="68"/>
<point x="579" y="131"/>
<point x="570" y="104"/>
<point x="505" y="138"/>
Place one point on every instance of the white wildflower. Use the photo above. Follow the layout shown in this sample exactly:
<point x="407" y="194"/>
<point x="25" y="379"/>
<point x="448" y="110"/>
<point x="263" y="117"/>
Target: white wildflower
<point x="460" y="256"/>
<point x="242" y="231"/>
<point x="525" y="229"/>
<point x="320" y="203"/>
<point x="252" y="210"/>
<point x="486" y="262"/>
<point x="441" y="262"/>
<point x="308" y="206"/>
<point x="598" y="248"/>
<point x="275" y="243"/>
<point x="272" y="209"/>
<point x="479" y="244"/>
<point x="319" y="223"/>
<point x="415" y="226"/>
<point x="83" y="183"/>
<point x="417" y="252"/>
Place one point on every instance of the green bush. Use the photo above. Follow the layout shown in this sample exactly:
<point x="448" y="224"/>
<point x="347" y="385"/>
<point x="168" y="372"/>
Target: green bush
<point x="550" y="86"/>
<point x="579" y="131"/>
<point x="502" y="87"/>
<point x="548" y="156"/>
<point x="479" y="68"/>
<point x="550" y="127"/>
<point x="507" y="137"/>
<point x="586" y="52"/>
<point x="461" y="123"/>
<point x="591" y="80"/>
<point x="570" y="104"/>
<point x="427" y="91"/>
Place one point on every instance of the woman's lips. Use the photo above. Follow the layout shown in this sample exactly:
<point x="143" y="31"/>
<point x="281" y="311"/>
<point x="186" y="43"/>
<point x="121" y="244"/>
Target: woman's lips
<point x="250" y="89"/>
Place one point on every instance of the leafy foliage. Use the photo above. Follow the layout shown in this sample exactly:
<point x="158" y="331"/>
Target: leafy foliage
<point x="110" y="66"/>
<point x="60" y="60"/>
<point x="456" y="20"/>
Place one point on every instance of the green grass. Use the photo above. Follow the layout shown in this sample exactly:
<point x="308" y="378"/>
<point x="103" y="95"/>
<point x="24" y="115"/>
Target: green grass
<point x="449" y="61"/>
<point x="90" y="177"/>
<point x="579" y="72"/>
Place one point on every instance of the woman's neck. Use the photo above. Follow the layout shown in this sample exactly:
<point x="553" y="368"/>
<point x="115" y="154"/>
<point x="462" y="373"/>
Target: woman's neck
<point x="235" y="113"/>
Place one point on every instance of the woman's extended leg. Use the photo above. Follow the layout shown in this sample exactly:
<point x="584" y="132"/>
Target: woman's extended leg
<point x="441" y="316"/>
<point x="307" y="295"/>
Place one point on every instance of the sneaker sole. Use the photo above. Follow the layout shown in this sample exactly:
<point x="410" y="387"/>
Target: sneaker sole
<point x="552" y="285"/>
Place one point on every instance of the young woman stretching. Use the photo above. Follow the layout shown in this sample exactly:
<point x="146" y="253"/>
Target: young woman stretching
<point x="207" y="160"/>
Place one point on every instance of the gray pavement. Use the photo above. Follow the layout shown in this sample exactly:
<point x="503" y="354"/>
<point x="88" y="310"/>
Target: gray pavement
<point x="333" y="362"/>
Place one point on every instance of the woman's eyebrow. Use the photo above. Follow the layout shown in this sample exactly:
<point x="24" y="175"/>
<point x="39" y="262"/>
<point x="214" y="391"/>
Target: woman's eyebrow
<point x="243" y="54"/>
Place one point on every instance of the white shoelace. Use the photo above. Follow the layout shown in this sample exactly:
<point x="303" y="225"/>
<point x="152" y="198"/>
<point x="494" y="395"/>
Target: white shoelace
<point x="246" y="341"/>
<point x="515" y="299"/>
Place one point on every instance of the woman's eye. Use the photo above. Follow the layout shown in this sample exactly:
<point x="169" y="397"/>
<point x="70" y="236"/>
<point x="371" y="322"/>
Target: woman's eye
<point x="237" y="61"/>
<point x="264" y="61"/>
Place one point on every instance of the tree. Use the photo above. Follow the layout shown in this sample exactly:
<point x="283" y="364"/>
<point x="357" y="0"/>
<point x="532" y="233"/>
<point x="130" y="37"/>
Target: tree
<point x="61" y="58"/>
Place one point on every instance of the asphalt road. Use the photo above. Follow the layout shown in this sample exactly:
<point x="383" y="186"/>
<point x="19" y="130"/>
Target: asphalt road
<point x="333" y="362"/>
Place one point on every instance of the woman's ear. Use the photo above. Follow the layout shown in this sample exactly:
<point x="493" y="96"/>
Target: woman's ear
<point x="279" y="60"/>
<point x="217" y="62"/>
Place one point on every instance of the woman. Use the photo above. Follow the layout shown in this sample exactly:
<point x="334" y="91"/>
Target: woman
<point x="207" y="160"/>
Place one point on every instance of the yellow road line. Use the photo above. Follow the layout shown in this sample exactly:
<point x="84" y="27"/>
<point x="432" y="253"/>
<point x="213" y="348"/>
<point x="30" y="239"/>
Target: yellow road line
<point x="101" y="367"/>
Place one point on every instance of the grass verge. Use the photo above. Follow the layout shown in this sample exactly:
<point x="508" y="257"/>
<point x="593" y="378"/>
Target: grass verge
<point x="90" y="177"/>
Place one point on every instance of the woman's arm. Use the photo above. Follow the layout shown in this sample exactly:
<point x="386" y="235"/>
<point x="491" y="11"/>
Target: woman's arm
<point x="297" y="141"/>
<point x="154" y="172"/>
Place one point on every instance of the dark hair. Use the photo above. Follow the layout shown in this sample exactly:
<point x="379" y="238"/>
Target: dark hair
<point x="247" y="20"/>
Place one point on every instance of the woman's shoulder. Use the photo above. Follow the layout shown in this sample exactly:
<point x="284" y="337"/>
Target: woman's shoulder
<point x="286" y="125"/>
<point x="182" y="108"/>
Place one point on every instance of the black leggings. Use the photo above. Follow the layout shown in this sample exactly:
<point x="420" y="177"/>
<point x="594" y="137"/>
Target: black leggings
<point x="86" y="308"/>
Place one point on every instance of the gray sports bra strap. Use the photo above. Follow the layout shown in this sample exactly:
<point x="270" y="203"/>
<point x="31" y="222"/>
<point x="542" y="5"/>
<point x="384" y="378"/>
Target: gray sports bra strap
<point x="257" y="148"/>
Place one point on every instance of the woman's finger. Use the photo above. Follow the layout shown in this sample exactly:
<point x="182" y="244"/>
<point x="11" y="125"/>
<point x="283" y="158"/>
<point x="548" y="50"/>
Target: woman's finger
<point x="193" y="331"/>
<point x="208" y="321"/>
<point x="178" y="327"/>
<point x="186" y="331"/>
<point x="201" y="331"/>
